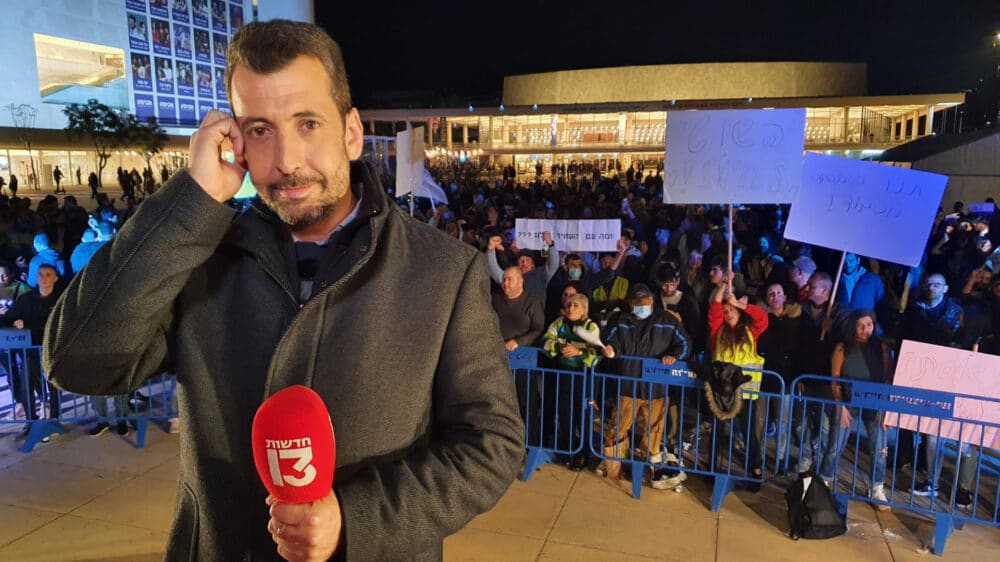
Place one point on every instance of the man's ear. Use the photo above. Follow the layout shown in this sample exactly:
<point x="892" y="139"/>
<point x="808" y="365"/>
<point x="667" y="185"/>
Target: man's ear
<point x="354" y="134"/>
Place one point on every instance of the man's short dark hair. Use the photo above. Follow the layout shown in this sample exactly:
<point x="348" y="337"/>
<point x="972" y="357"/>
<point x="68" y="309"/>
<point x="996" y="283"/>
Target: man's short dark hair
<point x="668" y="272"/>
<point x="267" y="47"/>
<point x="571" y="257"/>
<point x="718" y="261"/>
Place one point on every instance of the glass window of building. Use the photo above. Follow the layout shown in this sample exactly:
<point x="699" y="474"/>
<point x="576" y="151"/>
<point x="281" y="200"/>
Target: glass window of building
<point x="73" y="72"/>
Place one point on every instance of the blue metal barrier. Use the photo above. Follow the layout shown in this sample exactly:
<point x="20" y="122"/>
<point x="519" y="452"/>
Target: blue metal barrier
<point x="870" y="403"/>
<point x="733" y="451"/>
<point x="27" y="398"/>
<point x="553" y="406"/>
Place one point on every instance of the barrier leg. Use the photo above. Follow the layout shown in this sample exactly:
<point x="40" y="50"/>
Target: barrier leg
<point x="140" y="432"/>
<point x="723" y="485"/>
<point x="637" y="469"/>
<point x="536" y="458"/>
<point x="944" y="524"/>
<point x="842" y="501"/>
<point x="40" y="429"/>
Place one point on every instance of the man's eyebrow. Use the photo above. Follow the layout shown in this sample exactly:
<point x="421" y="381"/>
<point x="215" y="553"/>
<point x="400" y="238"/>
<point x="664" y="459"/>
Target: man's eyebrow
<point x="246" y="121"/>
<point x="307" y="114"/>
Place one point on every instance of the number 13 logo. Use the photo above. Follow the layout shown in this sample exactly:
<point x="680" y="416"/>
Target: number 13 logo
<point x="302" y="465"/>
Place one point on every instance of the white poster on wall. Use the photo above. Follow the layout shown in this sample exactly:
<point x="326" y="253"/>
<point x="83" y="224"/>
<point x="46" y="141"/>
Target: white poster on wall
<point x="883" y="212"/>
<point x="733" y="156"/>
<point x="570" y="235"/>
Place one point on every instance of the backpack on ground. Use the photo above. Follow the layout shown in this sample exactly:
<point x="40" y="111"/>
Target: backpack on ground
<point x="813" y="512"/>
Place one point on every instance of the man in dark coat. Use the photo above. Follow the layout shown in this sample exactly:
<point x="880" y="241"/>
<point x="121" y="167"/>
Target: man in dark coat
<point x="322" y="282"/>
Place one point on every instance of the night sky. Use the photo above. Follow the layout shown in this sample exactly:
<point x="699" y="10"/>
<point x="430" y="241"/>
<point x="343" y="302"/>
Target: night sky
<point x="447" y="52"/>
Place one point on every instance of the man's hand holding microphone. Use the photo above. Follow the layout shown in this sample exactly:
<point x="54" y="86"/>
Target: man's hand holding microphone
<point x="295" y="452"/>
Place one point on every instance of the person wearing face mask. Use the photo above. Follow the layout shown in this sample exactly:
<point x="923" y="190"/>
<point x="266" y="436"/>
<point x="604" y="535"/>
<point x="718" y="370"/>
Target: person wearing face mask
<point x="733" y="331"/>
<point x="645" y="332"/>
<point x="571" y="271"/>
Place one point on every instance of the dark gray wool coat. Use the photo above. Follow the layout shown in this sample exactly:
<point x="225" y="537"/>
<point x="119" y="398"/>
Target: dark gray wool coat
<point x="399" y="340"/>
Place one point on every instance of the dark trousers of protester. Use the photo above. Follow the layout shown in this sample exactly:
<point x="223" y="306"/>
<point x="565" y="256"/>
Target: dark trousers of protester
<point x="26" y="397"/>
<point x="562" y="408"/>
<point x="750" y="423"/>
<point x="810" y="429"/>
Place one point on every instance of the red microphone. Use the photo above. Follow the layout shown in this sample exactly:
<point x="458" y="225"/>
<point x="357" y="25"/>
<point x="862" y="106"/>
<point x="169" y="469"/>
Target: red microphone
<point x="293" y="445"/>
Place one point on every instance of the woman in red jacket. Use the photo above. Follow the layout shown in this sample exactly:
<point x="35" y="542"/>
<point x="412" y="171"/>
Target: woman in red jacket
<point x="733" y="331"/>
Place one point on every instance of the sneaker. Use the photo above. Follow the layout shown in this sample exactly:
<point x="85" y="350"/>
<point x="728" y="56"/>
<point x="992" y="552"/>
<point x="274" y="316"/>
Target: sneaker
<point x="122" y="429"/>
<point x="175" y="426"/>
<point x="99" y="429"/>
<point x="963" y="498"/>
<point x="662" y="480"/>
<point x="924" y="489"/>
<point x="578" y="462"/>
<point x="878" y="494"/>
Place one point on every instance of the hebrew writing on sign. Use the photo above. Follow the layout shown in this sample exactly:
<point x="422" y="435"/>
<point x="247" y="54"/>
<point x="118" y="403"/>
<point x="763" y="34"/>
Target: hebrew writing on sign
<point x="568" y="235"/>
<point x="955" y="371"/>
<point x="869" y="209"/>
<point x="733" y="156"/>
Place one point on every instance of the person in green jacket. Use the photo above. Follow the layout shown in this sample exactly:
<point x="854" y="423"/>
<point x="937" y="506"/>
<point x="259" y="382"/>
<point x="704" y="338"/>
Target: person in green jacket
<point x="573" y="341"/>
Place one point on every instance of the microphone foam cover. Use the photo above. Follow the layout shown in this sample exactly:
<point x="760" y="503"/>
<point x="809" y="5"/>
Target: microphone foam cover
<point x="294" y="448"/>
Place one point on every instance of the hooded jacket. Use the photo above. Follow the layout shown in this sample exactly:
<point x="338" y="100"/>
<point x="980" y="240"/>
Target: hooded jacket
<point x="407" y="357"/>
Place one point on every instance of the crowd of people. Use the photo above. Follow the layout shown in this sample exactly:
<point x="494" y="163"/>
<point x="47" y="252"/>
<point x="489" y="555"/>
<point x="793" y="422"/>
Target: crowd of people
<point x="41" y="249"/>
<point x="669" y="293"/>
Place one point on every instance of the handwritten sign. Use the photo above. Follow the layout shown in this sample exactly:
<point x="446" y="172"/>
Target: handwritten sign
<point x="869" y="209"/>
<point x="953" y="371"/>
<point x="570" y="236"/>
<point x="742" y="156"/>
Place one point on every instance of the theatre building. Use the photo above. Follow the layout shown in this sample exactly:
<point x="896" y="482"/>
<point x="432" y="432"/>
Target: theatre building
<point x="616" y="117"/>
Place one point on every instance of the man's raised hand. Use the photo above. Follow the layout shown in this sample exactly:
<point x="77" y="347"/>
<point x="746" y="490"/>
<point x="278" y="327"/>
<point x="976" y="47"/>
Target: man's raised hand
<point x="218" y="178"/>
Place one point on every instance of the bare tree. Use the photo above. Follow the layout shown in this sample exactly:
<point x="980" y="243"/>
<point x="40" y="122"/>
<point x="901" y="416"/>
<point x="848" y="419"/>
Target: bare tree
<point x="23" y="116"/>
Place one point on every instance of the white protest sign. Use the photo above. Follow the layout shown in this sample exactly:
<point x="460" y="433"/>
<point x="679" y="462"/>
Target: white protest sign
<point x="956" y="371"/>
<point x="869" y="209"/>
<point x="570" y="236"/>
<point x="409" y="161"/>
<point x="733" y="156"/>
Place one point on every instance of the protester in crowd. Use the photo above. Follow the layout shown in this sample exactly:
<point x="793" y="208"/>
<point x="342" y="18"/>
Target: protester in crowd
<point x="571" y="271"/>
<point x="860" y="288"/>
<point x="522" y="320"/>
<point x="535" y="279"/>
<point x="778" y="345"/>
<point x="570" y="339"/>
<point x="734" y="325"/>
<point x="643" y="332"/>
<point x="823" y="324"/>
<point x="30" y="312"/>
<point x="610" y="287"/>
<point x="681" y="304"/>
<point x="799" y="272"/>
<point x="44" y="255"/>
<point x="934" y="318"/>
<point x="860" y="356"/>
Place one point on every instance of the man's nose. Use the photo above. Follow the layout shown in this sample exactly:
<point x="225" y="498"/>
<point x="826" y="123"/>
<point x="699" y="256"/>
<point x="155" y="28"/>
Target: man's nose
<point x="290" y="153"/>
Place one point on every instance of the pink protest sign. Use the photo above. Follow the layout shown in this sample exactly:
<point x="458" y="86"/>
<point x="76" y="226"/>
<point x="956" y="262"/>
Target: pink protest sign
<point x="956" y="371"/>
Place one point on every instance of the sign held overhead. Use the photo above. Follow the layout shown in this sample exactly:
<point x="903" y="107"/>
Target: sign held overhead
<point x="733" y="156"/>
<point x="869" y="209"/>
